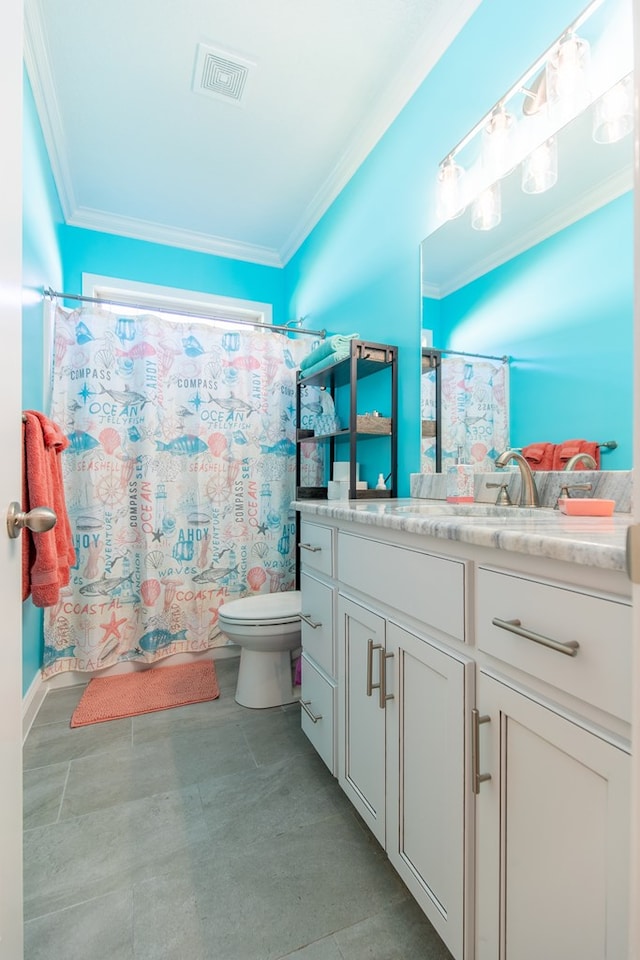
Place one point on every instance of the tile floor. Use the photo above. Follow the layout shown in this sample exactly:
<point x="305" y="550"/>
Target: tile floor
<point x="208" y="832"/>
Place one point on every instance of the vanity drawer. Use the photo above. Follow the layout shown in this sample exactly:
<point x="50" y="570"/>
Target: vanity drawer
<point x="317" y="705"/>
<point x="600" y="671"/>
<point x="317" y="621"/>
<point x="316" y="547"/>
<point x="430" y="589"/>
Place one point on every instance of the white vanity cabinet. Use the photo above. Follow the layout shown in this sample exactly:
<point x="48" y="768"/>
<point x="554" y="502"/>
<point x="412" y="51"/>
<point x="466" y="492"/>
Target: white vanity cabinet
<point x="403" y="698"/>
<point x="552" y="808"/>
<point x="318" y="695"/>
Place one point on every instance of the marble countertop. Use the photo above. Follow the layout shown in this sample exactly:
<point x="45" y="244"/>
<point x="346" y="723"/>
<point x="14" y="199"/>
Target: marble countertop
<point x="542" y="531"/>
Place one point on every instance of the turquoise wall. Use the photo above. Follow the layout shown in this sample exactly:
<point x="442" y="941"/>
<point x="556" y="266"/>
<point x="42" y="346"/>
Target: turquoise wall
<point x="88" y="251"/>
<point x="564" y="312"/>
<point x="359" y="268"/>
<point x="41" y="265"/>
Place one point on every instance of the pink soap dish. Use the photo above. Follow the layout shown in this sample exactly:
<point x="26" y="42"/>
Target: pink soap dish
<point x="586" y="507"/>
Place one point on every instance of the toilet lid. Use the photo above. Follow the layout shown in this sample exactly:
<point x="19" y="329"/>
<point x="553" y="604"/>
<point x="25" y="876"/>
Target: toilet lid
<point x="264" y="608"/>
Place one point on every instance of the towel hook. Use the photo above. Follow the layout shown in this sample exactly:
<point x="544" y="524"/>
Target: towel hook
<point x="39" y="520"/>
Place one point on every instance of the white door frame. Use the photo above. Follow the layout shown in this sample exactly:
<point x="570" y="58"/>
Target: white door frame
<point x="11" y="72"/>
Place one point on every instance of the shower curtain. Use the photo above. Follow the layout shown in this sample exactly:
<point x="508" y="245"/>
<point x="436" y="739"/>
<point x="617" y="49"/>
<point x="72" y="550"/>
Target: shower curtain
<point x="474" y="414"/>
<point x="178" y="480"/>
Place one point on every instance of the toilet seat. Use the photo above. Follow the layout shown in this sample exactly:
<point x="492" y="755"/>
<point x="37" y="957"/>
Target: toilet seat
<point x="267" y="609"/>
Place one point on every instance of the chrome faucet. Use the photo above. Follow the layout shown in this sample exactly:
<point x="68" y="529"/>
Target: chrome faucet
<point x="528" y="489"/>
<point x="585" y="458"/>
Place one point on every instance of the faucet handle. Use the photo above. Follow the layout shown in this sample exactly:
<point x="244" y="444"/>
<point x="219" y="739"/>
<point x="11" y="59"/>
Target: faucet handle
<point x="566" y="488"/>
<point x="503" y="499"/>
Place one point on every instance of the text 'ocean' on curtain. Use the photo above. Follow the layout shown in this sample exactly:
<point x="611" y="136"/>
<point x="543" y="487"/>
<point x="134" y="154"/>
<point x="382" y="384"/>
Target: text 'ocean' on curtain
<point x="178" y="479"/>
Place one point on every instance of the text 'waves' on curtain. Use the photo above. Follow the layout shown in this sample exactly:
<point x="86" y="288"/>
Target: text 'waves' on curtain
<point x="178" y="478"/>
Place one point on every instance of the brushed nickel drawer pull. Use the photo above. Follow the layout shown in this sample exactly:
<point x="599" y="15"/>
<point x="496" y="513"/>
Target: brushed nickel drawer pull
<point x="384" y="696"/>
<point x="476" y="777"/>
<point x="310" y="547"/>
<point x="311" y="623"/>
<point x="371" y="686"/>
<point x="314" y="717"/>
<point x="570" y="648"/>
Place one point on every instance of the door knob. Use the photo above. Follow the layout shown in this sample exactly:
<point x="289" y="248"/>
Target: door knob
<point x="39" y="520"/>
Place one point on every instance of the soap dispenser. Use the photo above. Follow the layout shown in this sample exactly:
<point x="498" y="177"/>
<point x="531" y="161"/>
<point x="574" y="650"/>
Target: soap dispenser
<point x="381" y="485"/>
<point x="460" y="481"/>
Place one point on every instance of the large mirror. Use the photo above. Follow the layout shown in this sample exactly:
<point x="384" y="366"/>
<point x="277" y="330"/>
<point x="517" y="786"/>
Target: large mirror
<point x="551" y="289"/>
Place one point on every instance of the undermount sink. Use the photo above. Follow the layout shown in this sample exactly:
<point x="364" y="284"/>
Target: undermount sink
<point x="443" y="509"/>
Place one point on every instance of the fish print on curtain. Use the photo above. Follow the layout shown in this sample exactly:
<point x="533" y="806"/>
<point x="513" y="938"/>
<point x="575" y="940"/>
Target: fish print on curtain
<point x="475" y="412"/>
<point x="178" y="480"/>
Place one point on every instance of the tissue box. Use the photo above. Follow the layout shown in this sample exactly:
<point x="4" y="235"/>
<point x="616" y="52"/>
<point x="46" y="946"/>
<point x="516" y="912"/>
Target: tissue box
<point x="339" y="489"/>
<point x="341" y="470"/>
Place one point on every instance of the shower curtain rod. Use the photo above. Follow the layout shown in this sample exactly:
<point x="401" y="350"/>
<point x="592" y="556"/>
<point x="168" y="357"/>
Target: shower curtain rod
<point x="57" y="295"/>
<point x="480" y="356"/>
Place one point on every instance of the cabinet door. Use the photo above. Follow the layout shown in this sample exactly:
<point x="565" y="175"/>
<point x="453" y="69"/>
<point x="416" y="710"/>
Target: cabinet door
<point x="425" y="780"/>
<point x="552" y="834"/>
<point x="361" y="723"/>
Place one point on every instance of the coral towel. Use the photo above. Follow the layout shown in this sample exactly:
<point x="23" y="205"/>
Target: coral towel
<point x="47" y="558"/>
<point x="539" y="456"/>
<point x="569" y="448"/>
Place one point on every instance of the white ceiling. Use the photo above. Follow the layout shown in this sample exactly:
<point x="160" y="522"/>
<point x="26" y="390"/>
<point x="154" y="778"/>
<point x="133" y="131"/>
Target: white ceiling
<point x="134" y="151"/>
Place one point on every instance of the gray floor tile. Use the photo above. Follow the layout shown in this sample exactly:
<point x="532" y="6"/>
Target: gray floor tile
<point x="190" y="719"/>
<point x="42" y="794"/>
<point x="398" y="933"/>
<point x="325" y="949"/>
<point x="177" y="760"/>
<point x="185" y="937"/>
<point x="100" y="928"/>
<point x="274" y="735"/>
<point x="56" y="742"/>
<point x="295" y="888"/>
<point x="89" y="856"/>
<point x="58" y="705"/>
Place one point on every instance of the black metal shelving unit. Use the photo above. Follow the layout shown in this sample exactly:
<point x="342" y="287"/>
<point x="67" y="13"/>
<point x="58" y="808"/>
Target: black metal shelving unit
<point x="365" y="359"/>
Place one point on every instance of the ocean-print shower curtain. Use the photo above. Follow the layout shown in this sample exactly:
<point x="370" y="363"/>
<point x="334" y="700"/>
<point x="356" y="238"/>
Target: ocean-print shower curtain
<point x="474" y="413"/>
<point x="178" y="480"/>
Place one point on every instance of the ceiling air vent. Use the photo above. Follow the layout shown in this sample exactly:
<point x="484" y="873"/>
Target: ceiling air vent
<point x="220" y="74"/>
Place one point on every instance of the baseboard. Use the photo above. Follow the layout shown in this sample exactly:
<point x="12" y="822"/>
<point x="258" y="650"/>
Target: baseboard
<point x="31" y="703"/>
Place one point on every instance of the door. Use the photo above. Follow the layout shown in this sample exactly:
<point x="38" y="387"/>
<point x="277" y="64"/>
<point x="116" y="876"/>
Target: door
<point x="10" y="443"/>
<point x="361" y="719"/>
<point x="552" y="834"/>
<point x="426" y="822"/>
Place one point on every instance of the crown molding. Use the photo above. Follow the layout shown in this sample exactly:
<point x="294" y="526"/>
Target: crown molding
<point x="38" y="66"/>
<point x="153" y="232"/>
<point x="388" y="105"/>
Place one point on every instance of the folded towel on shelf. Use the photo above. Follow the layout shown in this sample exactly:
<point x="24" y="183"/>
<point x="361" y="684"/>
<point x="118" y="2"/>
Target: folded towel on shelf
<point x="322" y="364"/>
<point x="539" y="456"/>
<point x="47" y="557"/>
<point x="569" y="448"/>
<point x="333" y="348"/>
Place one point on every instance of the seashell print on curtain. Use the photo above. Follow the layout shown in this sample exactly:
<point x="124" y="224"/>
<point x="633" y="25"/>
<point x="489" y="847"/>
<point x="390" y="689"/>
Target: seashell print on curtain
<point x="178" y="481"/>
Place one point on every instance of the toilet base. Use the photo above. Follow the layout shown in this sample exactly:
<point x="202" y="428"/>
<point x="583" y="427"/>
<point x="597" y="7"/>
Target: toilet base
<point x="265" y="679"/>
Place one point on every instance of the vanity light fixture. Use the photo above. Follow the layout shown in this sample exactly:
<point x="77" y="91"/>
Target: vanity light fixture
<point x="449" y="200"/>
<point x="613" y="112"/>
<point x="487" y="208"/>
<point x="540" y="167"/>
<point x="571" y="75"/>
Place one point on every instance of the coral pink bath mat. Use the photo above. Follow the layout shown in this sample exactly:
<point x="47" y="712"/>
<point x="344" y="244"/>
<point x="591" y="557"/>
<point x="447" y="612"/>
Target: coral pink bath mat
<point x="158" y="688"/>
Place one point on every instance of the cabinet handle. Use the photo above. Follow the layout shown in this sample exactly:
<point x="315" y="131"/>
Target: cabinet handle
<point x="570" y="648"/>
<point x="314" y="717"/>
<point x="476" y="777"/>
<point x="384" y="696"/>
<point x="310" y="547"/>
<point x="311" y="623"/>
<point x="371" y="686"/>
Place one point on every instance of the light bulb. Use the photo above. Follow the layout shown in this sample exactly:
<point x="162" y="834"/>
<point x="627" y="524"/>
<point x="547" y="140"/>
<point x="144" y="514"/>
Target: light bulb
<point x="498" y="143"/>
<point x="567" y="77"/>
<point x="613" y="113"/>
<point x="540" y="167"/>
<point x="449" y="199"/>
<point x="487" y="208"/>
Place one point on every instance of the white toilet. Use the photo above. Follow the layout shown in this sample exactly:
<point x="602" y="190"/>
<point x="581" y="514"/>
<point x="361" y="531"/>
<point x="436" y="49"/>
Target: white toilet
<point x="267" y="628"/>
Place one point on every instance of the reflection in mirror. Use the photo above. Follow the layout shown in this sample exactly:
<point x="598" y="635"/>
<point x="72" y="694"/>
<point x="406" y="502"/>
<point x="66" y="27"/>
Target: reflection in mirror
<point x="551" y="287"/>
